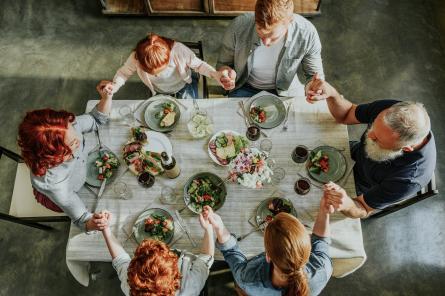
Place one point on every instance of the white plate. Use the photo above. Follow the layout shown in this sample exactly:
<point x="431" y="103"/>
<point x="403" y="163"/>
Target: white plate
<point x="158" y="142"/>
<point x="213" y="157"/>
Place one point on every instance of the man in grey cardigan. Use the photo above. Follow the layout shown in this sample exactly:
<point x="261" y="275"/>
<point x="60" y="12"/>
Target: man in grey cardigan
<point x="263" y="51"/>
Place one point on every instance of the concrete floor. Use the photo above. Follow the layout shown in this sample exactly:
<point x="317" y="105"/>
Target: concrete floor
<point x="52" y="53"/>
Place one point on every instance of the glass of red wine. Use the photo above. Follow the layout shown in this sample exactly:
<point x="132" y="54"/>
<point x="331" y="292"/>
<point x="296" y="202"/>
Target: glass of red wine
<point x="302" y="186"/>
<point x="253" y="133"/>
<point x="146" y="179"/>
<point x="300" y="154"/>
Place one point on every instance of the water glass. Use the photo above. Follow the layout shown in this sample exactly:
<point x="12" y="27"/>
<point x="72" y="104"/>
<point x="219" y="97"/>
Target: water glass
<point x="168" y="195"/>
<point x="127" y="116"/>
<point x="266" y="145"/>
<point x="278" y="175"/>
<point x="121" y="190"/>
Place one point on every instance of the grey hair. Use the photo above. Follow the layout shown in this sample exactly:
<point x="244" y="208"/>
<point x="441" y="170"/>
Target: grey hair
<point x="410" y="120"/>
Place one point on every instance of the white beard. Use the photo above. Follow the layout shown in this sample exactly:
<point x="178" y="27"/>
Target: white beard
<point x="376" y="153"/>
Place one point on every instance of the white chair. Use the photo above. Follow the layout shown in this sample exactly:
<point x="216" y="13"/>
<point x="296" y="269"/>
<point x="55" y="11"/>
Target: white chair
<point x="24" y="208"/>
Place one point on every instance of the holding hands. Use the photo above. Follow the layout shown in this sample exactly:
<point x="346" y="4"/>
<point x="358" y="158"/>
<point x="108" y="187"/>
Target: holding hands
<point x="99" y="221"/>
<point x="105" y="89"/>
<point x="317" y="89"/>
<point x="227" y="77"/>
<point x="335" y="197"/>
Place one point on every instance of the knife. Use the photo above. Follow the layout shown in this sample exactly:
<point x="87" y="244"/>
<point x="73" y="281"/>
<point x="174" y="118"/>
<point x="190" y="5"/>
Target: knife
<point x="99" y="194"/>
<point x="183" y="226"/>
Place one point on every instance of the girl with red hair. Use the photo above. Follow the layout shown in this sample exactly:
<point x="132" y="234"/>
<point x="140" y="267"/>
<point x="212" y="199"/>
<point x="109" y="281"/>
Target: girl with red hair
<point x="157" y="270"/>
<point x="294" y="264"/>
<point x="165" y="65"/>
<point x="52" y="145"/>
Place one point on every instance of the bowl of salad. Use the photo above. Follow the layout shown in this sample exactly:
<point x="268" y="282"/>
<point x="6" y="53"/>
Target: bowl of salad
<point x="204" y="189"/>
<point x="154" y="223"/>
<point x="101" y="164"/>
<point x="225" y="145"/>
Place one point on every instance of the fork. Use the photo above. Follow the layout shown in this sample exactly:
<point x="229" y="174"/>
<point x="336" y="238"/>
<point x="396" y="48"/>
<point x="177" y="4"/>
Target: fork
<point x="287" y="116"/>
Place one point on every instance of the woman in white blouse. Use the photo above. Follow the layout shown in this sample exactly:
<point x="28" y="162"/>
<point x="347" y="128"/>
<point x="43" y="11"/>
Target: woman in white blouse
<point x="165" y="65"/>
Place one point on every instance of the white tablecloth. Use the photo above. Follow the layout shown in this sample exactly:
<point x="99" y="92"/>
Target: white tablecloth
<point x="310" y="125"/>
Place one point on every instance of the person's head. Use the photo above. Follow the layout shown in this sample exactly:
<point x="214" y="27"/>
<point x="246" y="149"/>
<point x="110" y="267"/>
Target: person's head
<point x="153" y="53"/>
<point x="288" y="247"/>
<point x="396" y="130"/>
<point x="153" y="270"/>
<point x="46" y="139"/>
<point x="272" y="18"/>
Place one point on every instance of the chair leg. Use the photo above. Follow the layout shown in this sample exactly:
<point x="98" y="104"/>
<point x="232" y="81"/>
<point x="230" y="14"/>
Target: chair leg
<point x="24" y="222"/>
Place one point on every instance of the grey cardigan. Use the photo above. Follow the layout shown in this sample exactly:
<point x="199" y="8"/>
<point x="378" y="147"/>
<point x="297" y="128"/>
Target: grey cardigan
<point x="302" y="46"/>
<point x="60" y="183"/>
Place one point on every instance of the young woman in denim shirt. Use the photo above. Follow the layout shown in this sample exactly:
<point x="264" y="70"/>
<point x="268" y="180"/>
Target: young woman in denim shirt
<point x="294" y="262"/>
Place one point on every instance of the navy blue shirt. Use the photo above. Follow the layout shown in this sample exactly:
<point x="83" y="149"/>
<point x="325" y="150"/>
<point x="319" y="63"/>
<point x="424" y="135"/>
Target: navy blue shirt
<point x="385" y="183"/>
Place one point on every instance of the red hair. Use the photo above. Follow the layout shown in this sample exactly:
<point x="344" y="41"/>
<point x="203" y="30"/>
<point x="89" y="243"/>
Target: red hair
<point x="42" y="139"/>
<point x="153" y="270"/>
<point x="153" y="52"/>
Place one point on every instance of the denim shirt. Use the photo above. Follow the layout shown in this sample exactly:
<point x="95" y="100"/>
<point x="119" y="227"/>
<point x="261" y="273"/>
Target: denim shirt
<point x="302" y="46"/>
<point x="253" y="276"/>
<point x="60" y="183"/>
<point x="194" y="271"/>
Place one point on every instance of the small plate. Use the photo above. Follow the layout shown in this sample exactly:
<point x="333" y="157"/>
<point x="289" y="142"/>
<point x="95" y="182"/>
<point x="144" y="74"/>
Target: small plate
<point x="262" y="211"/>
<point x="212" y="156"/>
<point x="158" y="142"/>
<point x="215" y="180"/>
<point x="337" y="165"/>
<point x="153" y="107"/>
<point x="139" y="227"/>
<point x="92" y="171"/>
<point x="274" y="107"/>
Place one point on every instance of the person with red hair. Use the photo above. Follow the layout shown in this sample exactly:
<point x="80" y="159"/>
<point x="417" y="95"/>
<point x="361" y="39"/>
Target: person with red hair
<point x="165" y="65"/>
<point x="52" y="146"/>
<point x="157" y="270"/>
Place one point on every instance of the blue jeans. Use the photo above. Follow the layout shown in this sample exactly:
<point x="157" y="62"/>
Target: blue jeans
<point x="247" y="91"/>
<point x="190" y="90"/>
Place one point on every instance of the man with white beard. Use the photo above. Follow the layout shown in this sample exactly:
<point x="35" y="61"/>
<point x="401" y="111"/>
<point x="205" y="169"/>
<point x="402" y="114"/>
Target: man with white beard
<point x="395" y="157"/>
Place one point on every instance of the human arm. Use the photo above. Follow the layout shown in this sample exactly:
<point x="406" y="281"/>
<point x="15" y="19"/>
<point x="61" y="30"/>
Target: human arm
<point x="321" y="226"/>
<point x="226" y="58"/>
<point x="341" y="109"/>
<point x="113" y="245"/>
<point x="208" y="247"/>
<point x="312" y="61"/>
<point x="125" y="72"/>
<point x="339" y="199"/>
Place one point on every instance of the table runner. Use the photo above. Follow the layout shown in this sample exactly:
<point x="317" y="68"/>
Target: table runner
<point x="310" y="125"/>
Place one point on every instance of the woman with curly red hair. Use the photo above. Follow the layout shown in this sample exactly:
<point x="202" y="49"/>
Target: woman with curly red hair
<point x="157" y="270"/>
<point x="52" y="146"/>
<point x="165" y="66"/>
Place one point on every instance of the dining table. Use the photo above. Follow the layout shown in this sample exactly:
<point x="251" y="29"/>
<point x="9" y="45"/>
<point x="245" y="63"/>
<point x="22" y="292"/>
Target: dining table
<point x="310" y="125"/>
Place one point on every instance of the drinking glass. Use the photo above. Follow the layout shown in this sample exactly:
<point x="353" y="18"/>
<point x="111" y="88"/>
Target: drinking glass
<point x="168" y="195"/>
<point x="266" y="145"/>
<point x="302" y="186"/>
<point x="300" y="154"/>
<point x="278" y="175"/>
<point x="127" y="116"/>
<point x="121" y="190"/>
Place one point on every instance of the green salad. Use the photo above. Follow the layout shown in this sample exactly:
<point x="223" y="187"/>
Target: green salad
<point x="159" y="227"/>
<point x="202" y="192"/>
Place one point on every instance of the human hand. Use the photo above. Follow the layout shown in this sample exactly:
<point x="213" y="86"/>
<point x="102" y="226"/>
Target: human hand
<point x="214" y="219"/>
<point x="337" y="197"/>
<point x="105" y="89"/>
<point x="227" y="77"/>
<point x="325" y="206"/>
<point x="204" y="221"/>
<point x="317" y="89"/>
<point x="99" y="221"/>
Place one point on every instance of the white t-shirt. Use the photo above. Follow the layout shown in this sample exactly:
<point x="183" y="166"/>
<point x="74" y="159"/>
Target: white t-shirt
<point x="264" y="62"/>
<point x="169" y="81"/>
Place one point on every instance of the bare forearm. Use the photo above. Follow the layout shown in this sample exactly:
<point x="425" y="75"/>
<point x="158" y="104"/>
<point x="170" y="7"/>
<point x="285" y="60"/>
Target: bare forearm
<point x="222" y="235"/>
<point x="355" y="211"/>
<point x="339" y="106"/>
<point x="114" y="247"/>
<point x="321" y="226"/>
<point x="208" y="245"/>
<point x="104" y="105"/>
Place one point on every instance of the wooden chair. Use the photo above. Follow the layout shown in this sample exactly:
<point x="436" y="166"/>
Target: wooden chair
<point x="24" y="209"/>
<point x="196" y="47"/>
<point x="429" y="190"/>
